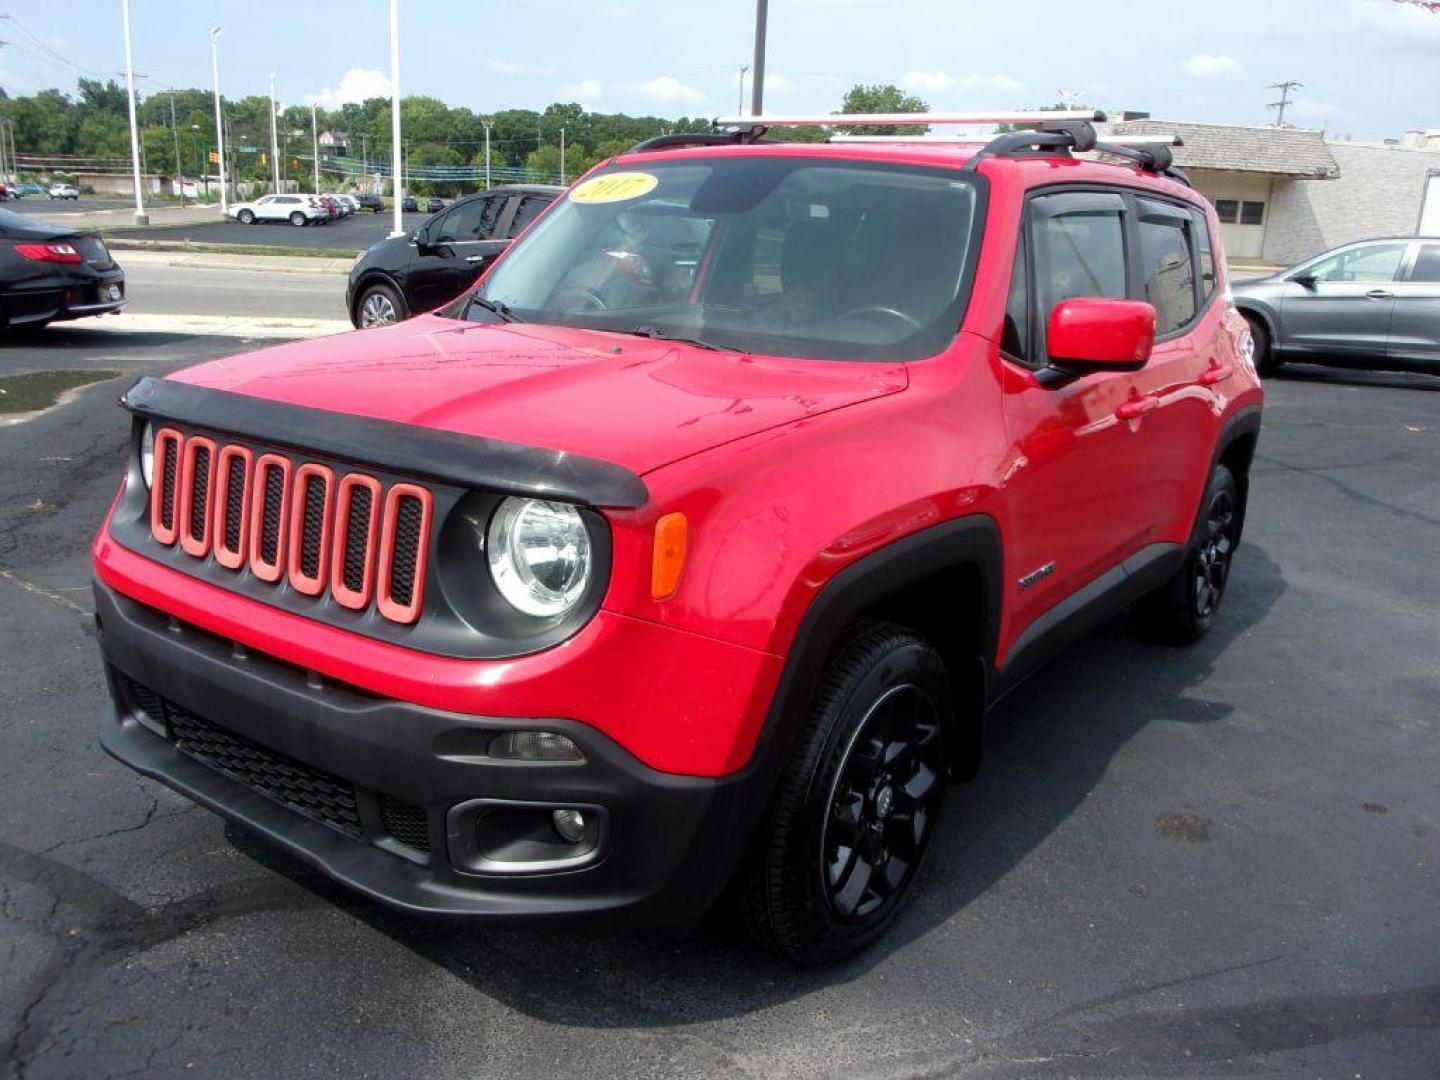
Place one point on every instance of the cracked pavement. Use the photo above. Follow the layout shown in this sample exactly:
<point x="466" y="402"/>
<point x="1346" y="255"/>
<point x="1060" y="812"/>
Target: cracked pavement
<point x="1215" y="861"/>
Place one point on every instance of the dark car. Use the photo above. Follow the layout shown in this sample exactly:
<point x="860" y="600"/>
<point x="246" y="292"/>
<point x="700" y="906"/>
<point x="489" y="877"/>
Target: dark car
<point x="373" y="203"/>
<point x="49" y="274"/>
<point x="434" y="204"/>
<point x="1375" y="303"/>
<point x="405" y="275"/>
<point x="409" y="205"/>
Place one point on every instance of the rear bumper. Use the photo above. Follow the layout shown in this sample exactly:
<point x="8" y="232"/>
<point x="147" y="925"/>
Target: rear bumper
<point x="659" y="848"/>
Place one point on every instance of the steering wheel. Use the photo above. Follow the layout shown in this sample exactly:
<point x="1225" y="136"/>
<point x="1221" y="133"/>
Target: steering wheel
<point x="868" y="309"/>
<point x="591" y="300"/>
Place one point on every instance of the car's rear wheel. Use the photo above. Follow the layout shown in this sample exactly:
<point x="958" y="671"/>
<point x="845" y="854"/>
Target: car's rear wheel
<point x="858" y="802"/>
<point x="1263" y="353"/>
<point x="246" y="217"/>
<point x="297" y="219"/>
<point x="1181" y="610"/>
<point x="379" y="305"/>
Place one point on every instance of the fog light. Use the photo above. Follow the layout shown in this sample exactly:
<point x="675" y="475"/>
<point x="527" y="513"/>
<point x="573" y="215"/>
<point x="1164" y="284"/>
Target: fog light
<point x="534" y="746"/>
<point x="570" y="824"/>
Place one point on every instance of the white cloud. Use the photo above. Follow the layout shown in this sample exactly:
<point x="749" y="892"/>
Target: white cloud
<point x="930" y="82"/>
<point x="355" y="85"/>
<point x="582" y="90"/>
<point x="510" y="67"/>
<point x="669" y="90"/>
<point x="1213" y="66"/>
<point x="999" y="82"/>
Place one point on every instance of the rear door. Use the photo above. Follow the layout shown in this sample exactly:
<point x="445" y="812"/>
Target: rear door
<point x="1415" y="325"/>
<point x="1346" y="311"/>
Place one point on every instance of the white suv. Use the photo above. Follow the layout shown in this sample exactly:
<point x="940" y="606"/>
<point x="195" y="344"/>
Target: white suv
<point x="296" y="209"/>
<point x="63" y="191"/>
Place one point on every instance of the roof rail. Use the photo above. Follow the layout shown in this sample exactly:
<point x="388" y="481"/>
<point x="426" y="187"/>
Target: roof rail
<point x="676" y="140"/>
<point x="1151" y="153"/>
<point x="910" y="119"/>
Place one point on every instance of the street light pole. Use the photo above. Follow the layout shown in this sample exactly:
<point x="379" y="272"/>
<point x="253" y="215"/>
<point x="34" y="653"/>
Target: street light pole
<point x="757" y="83"/>
<point x="219" y="125"/>
<point x="315" y="142"/>
<point x="395" y="148"/>
<point x="140" y="216"/>
<point x="274" y="138"/>
<point x="175" y="130"/>
<point x="740" y="105"/>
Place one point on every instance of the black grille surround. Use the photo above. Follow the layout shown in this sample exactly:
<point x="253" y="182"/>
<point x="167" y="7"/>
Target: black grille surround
<point x="313" y="792"/>
<point x="462" y="614"/>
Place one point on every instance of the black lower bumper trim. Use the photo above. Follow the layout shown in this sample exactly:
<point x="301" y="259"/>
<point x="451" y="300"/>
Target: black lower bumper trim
<point x="669" y="846"/>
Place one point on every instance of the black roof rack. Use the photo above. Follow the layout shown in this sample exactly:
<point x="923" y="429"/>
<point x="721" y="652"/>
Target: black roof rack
<point x="679" y="139"/>
<point x="1066" y="137"/>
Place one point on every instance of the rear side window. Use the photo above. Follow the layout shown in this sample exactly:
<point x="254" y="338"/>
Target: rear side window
<point x="1427" y="264"/>
<point x="1167" y="270"/>
<point x="490" y="216"/>
<point x="528" y="210"/>
<point x="1079" y="244"/>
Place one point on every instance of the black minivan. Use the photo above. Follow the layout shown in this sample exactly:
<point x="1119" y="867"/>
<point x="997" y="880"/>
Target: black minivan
<point x="407" y="275"/>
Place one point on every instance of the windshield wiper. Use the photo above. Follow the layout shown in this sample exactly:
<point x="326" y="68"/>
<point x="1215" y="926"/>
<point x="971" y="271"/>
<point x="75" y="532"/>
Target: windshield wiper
<point x="495" y="307"/>
<point x="657" y="334"/>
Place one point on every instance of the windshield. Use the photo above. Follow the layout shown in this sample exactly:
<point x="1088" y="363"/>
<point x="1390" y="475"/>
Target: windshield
<point x="782" y="255"/>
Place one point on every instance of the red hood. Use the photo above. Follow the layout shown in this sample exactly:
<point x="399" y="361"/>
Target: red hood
<point x="647" y="404"/>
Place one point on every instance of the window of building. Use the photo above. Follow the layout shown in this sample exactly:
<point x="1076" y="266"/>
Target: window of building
<point x="1227" y="210"/>
<point x="1252" y="213"/>
<point x="1240" y="211"/>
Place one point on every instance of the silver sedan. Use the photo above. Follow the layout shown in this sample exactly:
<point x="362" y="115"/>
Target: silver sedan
<point x="1375" y="303"/>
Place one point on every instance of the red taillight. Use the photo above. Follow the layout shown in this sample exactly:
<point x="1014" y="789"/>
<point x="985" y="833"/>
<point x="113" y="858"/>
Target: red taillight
<point x="56" y="253"/>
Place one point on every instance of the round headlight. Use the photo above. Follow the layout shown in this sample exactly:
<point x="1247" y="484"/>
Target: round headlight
<point x="539" y="555"/>
<point x="147" y="454"/>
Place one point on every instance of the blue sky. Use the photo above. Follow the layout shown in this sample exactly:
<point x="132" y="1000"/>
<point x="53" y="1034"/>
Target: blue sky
<point x="1370" y="68"/>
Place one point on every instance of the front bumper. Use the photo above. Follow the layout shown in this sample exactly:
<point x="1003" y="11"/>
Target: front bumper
<point x="663" y="848"/>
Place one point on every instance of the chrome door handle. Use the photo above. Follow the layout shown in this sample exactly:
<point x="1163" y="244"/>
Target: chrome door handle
<point x="474" y="258"/>
<point x="1379" y="294"/>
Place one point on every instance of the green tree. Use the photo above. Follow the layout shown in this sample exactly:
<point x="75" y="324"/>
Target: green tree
<point x="545" y="161"/>
<point x="882" y="98"/>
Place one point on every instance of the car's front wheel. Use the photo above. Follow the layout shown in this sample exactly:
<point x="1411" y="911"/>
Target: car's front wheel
<point x="1263" y="354"/>
<point x="858" y="803"/>
<point x="379" y="305"/>
<point x="1181" y="610"/>
<point x="297" y="219"/>
<point x="245" y="217"/>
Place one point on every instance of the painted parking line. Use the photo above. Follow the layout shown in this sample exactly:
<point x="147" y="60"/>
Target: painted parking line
<point x="245" y="326"/>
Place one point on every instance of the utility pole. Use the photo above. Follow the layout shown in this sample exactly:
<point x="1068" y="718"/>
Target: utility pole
<point x="1279" y="106"/>
<point x="487" y="155"/>
<point x="274" y="139"/>
<point x="757" y="86"/>
<point x="740" y="102"/>
<point x="175" y="130"/>
<point x="395" y="148"/>
<point x="562" y="155"/>
<point x="315" y="144"/>
<point x="219" y="124"/>
<point x="140" y="217"/>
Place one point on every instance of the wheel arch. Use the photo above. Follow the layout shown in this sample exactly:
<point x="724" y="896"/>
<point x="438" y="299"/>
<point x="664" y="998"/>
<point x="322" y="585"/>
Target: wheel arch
<point x="372" y="277"/>
<point x="1263" y="312"/>
<point x="1235" y="449"/>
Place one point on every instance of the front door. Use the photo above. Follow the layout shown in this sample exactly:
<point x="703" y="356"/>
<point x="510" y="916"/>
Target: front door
<point x="1344" y="302"/>
<point x="453" y="249"/>
<point x="1076" y="478"/>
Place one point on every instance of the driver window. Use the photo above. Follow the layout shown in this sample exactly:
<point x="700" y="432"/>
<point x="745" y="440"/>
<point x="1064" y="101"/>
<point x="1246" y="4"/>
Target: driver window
<point x="1375" y="263"/>
<point x="461" y="223"/>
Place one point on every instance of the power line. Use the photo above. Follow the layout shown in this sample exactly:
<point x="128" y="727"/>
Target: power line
<point x="1279" y="106"/>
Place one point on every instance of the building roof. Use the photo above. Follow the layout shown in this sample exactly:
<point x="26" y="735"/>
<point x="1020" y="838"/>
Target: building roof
<point x="1232" y="148"/>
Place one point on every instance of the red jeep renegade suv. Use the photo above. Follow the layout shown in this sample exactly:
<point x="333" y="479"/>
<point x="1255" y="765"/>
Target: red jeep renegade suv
<point x="693" y="544"/>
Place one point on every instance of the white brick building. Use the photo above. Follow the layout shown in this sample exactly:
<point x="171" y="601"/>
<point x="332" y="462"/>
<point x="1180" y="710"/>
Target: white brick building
<point x="1284" y="194"/>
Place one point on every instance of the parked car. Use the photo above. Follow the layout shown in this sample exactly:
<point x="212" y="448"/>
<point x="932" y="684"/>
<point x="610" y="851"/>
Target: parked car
<point x="64" y="191"/>
<point x="408" y="205"/>
<point x="22" y="190"/>
<point x="1374" y="303"/>
<point x="49" y="274"/>
<point x="7" y="192"/>
<point x="371" y="202"/>
<point x="433" y="204"/>
<point x="751" y="476"/>
<point x="405" y="275"/>
<point x="348" y="203"/>
<point x="296" y="209"/>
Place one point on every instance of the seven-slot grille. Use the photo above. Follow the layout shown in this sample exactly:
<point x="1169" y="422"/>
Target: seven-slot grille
<point x="348" y="536"/>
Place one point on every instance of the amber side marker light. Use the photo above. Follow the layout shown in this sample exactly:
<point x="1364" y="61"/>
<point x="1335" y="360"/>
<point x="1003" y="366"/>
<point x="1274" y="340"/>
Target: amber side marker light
<point x="671" y="533"/>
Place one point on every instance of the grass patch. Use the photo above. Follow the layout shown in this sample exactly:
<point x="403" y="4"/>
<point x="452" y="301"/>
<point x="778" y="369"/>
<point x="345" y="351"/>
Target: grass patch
<point x="121" y="243"/>
<point x="41" y="389"/>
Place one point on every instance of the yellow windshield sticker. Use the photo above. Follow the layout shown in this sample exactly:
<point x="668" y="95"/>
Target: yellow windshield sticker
<point x="615" y="187"/>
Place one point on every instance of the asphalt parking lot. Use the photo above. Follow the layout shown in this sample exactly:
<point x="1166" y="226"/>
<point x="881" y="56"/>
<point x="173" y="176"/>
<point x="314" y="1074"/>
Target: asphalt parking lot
<point x="1214" y="861"/>
<point x="354" y="233"/>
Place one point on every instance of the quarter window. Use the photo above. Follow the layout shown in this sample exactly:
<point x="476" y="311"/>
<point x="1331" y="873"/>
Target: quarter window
<point x="529" y="208"/>
<point x="1015" y="337"/>
<point x="1427" y="264"/>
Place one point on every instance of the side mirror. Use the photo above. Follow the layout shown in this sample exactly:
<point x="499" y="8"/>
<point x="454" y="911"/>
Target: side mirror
<point x="1306" y="281"/>
<point x="1085" y="335"/>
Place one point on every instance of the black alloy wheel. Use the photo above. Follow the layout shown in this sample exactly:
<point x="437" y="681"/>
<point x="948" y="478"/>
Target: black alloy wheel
<point x="1181" y="610"/>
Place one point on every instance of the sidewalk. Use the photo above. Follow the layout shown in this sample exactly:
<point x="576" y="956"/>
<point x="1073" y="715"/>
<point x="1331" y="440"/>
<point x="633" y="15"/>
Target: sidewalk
<point x="207" y="260"/>
<point x="124" y="216"/>
<point x="234" y="326"/>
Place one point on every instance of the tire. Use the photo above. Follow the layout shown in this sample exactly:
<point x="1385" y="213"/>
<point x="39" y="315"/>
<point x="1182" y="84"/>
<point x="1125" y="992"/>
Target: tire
<point x="1267" y="362"/>
<point x="379" y="305"/>
<point x="1181" y="611"/>
<point x="857" y="804"/>
<point x="297" y="219"/>
<point x="246" y="217"/>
